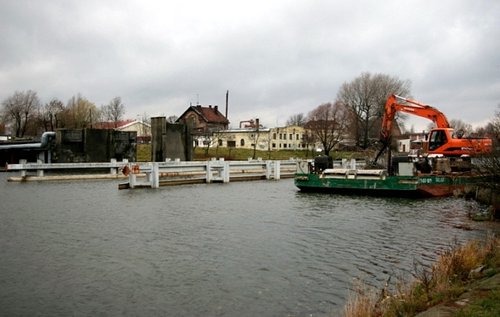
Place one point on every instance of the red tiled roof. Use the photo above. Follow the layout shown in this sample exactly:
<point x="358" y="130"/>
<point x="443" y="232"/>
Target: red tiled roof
<point x="208" y="114"/>
<point x="111" y="125"/>
<point x="212" y="115"/>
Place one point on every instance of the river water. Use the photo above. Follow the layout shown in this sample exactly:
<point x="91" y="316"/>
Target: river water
<point x="242" y="249"/>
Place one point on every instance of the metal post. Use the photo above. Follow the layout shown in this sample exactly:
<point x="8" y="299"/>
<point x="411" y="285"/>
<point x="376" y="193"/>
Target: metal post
<point x="39" y="172"/>
<point x="344" y="163"/>
<point x="112" y="170"/>
<point x="225" y="173"/>
<point x="277" y="170"/>
<point x="155" y="176"/>
<point x="269" y="168"/>
<point x="208" y="167"/>
<point x="132" y="180"/>
<point x="23" y="171"/>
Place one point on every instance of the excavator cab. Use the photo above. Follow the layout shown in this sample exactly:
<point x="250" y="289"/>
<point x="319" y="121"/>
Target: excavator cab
<point x="437" y="138"/>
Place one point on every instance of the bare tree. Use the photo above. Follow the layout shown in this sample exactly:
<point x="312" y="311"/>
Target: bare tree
<point x="80" y="113"/>
<point x="254" y="137"/>
<point x="51" y="113"/>
<point x="495" y="123"/>
<point x="489" y="165"/>
<point x="172" y="119"/>
<point x="296" y="119"/>
<point x="461" y="127"/>
<point x="491" y="129"/>
<point x="20" y="111"/>
<point x="113" y="111"/>
<point x="366" y="96"/>
<point x="328" y="123"/>
<point x="309" y="139"/>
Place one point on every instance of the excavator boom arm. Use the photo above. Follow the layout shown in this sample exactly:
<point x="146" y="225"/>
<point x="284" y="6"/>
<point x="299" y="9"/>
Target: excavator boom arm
<point x="392" y="106"/>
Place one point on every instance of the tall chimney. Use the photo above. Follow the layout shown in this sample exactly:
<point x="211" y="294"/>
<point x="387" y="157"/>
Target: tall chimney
<point x="227" y="101"/>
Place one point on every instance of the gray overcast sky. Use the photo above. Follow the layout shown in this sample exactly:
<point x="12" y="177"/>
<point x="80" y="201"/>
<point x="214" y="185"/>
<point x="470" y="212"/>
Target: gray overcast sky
<point x="276" y="57"/>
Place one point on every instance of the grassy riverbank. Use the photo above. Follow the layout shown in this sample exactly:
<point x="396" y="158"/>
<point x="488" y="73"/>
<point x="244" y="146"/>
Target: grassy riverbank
<point x="456" y="273"/>
<point x="144" y="154"/>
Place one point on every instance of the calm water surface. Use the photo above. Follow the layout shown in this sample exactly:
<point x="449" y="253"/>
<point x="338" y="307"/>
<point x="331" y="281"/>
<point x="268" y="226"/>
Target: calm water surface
<point x="240" y="249"/>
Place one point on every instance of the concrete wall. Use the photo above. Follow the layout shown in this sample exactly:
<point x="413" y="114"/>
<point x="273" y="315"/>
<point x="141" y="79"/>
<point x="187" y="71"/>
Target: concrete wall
<point x="94" y="145"/>
<point x="12" y="156"/>
<point x="170" y="140"/>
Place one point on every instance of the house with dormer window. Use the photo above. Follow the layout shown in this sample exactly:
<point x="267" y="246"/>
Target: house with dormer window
<point x="203" y="120"/>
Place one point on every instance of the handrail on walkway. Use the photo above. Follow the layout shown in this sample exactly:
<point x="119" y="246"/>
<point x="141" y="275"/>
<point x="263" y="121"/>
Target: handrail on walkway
<point x="170" y="172"/>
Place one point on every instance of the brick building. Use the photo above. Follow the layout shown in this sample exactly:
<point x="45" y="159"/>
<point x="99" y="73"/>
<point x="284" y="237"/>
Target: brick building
<point x="203" y="120"/>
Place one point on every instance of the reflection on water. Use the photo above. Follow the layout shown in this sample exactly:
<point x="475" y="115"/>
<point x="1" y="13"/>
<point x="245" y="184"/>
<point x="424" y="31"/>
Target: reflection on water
<point x="240" y="249"/>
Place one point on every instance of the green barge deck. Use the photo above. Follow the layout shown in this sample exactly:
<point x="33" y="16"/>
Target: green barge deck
<point x="377" y="182"/>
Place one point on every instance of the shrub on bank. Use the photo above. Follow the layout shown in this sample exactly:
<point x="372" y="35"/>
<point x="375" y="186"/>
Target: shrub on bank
<point x="444" y="281"/>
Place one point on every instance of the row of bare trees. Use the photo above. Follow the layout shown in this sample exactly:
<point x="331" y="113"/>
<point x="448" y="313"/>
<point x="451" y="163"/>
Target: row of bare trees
<point x="26" y="115"/>
<point x="357" y="113"/>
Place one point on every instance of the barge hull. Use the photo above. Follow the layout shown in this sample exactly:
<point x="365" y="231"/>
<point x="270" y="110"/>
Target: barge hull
<point x="396" y="186"/>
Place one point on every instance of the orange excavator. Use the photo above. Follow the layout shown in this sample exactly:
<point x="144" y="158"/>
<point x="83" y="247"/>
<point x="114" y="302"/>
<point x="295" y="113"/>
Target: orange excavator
<point x="442" y="140"/>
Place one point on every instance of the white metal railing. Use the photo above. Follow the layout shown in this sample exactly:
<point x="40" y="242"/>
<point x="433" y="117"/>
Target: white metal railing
<point x="114" y="166"/>
<point x="155" y="174"/>
<point x="174" y="172"/>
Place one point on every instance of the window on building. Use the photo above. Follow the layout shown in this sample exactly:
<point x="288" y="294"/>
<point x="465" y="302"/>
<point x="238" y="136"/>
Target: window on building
<point x="274" y="136"/>
<point x="284" y="145"/>
<point x="297" y="136"/>
<point x="220" y="142"/>
<point x="284" y="136"/>
<point x="291" y="137"/>
<point x="274" y="145"/>
<point x="231" y="143"/>
<point x="281" y="136"/>
<point x="242" y="142"/>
